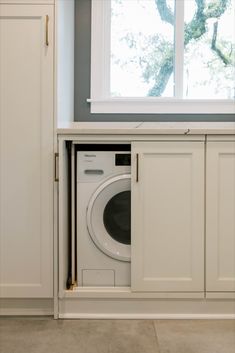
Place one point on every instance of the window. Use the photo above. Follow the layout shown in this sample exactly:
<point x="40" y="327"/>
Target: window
<point x="163" y="56"/>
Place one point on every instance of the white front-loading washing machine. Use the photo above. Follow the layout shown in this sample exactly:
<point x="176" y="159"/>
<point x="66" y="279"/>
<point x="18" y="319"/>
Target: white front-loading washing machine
<point x="103" y="215"/>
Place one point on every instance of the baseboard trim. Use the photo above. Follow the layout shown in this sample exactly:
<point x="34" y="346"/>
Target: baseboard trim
<point x="89" y="308"/>
<point x="26" y="307"/>
<point x="149" y="316"/>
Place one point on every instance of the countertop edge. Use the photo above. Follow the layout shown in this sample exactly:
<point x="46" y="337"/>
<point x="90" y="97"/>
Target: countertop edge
<point x="147" y="128"/>
<point x="64" y="131"/>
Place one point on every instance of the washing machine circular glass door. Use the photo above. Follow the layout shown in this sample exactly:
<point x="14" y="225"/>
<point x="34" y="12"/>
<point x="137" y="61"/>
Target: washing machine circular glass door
<point x="109" y="217"/>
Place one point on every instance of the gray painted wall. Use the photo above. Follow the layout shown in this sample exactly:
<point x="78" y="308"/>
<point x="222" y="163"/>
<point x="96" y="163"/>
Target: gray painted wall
<point x="82" y="80"/>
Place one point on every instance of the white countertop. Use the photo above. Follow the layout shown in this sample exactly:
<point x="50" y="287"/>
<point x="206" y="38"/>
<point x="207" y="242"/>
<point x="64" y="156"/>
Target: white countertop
<point x="150" y="128"/>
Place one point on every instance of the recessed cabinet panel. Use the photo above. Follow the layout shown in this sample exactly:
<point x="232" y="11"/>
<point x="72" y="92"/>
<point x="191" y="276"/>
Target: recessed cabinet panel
<point x="26" y="151"/>
<point x="168" y="216"/>
<point x="220" y="229"/>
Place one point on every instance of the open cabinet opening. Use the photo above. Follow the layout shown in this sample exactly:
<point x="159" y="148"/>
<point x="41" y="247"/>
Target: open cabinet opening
<point x="71" y="187"/>
<point x="67" y="214"/>
<point x="95" y="212"/>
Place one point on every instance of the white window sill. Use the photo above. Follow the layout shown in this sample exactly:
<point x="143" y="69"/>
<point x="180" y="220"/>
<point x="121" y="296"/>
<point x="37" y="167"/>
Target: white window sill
<point x="152" y="105"/>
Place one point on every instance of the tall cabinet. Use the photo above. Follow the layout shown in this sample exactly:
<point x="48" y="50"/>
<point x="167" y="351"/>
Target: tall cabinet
<point x="26" y="149"/>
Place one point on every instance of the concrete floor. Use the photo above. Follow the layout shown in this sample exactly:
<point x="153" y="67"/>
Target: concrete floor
<point x="44" y="335"/>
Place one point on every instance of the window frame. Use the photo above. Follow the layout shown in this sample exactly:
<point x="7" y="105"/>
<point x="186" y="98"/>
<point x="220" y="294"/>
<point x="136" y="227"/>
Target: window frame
<point x="100" y="99"/>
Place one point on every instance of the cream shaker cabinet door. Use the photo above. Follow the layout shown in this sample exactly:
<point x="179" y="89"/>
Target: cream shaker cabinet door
<point x="220" y="211"/>
<point x="26" y="151"/>
<point x="167" y="216"/>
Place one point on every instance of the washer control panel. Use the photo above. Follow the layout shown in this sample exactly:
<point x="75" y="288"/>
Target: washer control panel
<point x="122" y="159"/>
<point x="94" y="166"/>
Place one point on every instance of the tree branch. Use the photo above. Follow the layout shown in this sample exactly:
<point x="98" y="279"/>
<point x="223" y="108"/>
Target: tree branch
<point x="162" y="78"/>
<point x="197" y="27"/>
<point x="214" y="47"/>
<point x="165" y="12"/>
<point x="216" y="9"/>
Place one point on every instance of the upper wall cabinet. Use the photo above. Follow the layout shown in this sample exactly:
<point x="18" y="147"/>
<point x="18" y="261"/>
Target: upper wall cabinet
<point x="220" y="211"/>
<point x="167" y="216"/>
<point x="26" y="150"/>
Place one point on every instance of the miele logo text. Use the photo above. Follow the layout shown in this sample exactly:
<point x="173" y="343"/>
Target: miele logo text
<point x="90" y="155"/>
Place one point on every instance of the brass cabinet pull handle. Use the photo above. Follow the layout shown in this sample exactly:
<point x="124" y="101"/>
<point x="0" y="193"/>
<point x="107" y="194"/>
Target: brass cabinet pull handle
<point x="56" y="166"/>
<point x="137" y="167"/>
<point x="47" y="31"/>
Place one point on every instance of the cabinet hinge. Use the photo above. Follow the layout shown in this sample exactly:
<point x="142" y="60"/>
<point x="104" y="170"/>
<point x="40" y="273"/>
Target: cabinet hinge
<point x="56" y="166"/>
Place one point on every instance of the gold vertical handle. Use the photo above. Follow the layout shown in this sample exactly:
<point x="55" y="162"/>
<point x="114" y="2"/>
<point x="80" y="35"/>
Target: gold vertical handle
<point x="56" y="166"/>
<point x="47" y="30"/>
<point x="137" y="167"/>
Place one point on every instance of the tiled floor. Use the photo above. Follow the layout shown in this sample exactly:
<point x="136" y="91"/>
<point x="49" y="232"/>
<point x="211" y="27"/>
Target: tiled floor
<point x="42" y="335"/>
